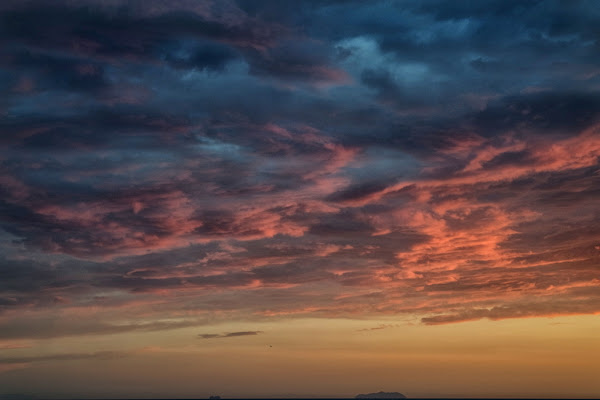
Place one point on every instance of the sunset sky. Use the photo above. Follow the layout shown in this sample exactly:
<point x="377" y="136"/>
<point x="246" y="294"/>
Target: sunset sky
<point x="270" y="198"/>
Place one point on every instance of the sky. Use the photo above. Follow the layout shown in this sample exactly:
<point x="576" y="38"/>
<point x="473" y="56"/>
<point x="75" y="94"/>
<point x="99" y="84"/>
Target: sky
<point x="259" y="198"/>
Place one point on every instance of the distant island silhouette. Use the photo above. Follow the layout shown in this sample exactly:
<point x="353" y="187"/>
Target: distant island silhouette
<point x="381" y="395"/>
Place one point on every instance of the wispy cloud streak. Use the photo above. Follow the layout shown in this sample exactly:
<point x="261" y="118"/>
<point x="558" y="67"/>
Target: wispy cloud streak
<point x="228" y="334"/>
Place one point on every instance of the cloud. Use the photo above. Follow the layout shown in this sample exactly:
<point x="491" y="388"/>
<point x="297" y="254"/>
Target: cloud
<point x="377" y="328"/>
<point x="228" y="334"/>
<point x="36" y="327"/>
<point x="14" y="345"/>
<point x="549" y="308"/>
<point x="106" y="25"/>
<point x="101" y="355"/>
<point x="252" y="160"/>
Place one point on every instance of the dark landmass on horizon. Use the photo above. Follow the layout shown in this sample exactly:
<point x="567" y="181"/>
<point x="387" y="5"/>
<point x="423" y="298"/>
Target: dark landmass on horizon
<point x="381" y="395"/>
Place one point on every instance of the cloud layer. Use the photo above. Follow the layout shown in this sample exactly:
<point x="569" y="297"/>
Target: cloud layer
<point x="175" y="163"/>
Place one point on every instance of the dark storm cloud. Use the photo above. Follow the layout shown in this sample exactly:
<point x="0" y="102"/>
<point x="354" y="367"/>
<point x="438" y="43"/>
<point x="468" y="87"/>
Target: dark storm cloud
<point x="48" y="71"/>
<point x="544" y="113"/>
<point x="93" y="129"/>
<point x="184" y="39"/>
<point x="381" y="81"/>
<point x="272" y="158"/>
<point x="295" y="59"/>
<point x="208" y="56"/>
<point x="110" y="33"/>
